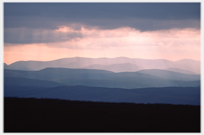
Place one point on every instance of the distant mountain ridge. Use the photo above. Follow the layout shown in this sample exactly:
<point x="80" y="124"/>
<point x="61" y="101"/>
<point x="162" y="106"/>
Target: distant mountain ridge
<point x="120" y="64"/>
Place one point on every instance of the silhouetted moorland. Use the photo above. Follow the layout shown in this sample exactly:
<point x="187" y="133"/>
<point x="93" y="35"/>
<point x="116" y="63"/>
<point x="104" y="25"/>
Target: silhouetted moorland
<point x="51" y="115"/>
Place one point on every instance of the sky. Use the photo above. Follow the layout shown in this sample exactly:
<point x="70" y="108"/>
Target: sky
<point x="49" y="31"/>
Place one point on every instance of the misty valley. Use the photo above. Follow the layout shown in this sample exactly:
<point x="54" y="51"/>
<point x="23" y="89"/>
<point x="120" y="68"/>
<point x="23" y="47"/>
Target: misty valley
<point x="102" y="95"/>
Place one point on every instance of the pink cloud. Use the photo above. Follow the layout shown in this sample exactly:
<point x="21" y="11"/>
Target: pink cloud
<point x="173" y="44"/>
<point x="98" y="38"/>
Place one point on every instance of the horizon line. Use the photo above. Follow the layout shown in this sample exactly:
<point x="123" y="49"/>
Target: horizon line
<point x="100" y="58"/>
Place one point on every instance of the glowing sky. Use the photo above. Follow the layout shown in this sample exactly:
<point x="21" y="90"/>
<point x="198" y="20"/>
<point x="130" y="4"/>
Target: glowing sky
<point x="52" y="31"/>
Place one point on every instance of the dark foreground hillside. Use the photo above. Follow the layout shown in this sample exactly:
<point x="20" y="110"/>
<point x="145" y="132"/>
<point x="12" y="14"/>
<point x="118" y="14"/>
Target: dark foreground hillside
<point x="49" y="115"/>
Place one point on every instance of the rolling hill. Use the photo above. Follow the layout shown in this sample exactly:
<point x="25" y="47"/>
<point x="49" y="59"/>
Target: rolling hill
<point x="170" y="75"/>
<point x="167" y="95"/>
<point x="20" y="81"/>
<point x="179" y="70"/>
<point x="120" y="64"/>
<point x="102" y="78"/>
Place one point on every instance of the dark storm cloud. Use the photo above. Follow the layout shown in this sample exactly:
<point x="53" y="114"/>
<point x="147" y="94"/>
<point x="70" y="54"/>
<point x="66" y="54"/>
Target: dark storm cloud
<point x="26" y="36"/>
<point x="26" y="23"/>
<point x="142" y="16"/>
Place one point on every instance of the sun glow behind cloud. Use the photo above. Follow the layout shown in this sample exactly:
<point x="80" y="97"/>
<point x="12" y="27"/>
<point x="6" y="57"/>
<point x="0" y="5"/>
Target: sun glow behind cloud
<point x="66" y="41"/>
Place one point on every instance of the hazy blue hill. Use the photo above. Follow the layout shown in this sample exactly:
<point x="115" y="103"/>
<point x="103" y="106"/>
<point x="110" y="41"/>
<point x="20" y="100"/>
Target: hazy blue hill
<point x="19" y="81"/>
<point x="85" y="77"/>
<point x="75" y="62"/>
<point x="171" y="75"/>
<point x="124" y="67"/>
<point x="53" y="73"/>
<point x="187" y="64"/>
<point x="170" y="95"/>
<point x="16" y="73"/>
<point x="125" y="82"/>
<point x="187" y="83"/>
<point x="95" y="66"/>
<point x="180" y="70"/>
<point x="153" y="63"/>
<point x="27" y="65"/>
<point x="80" y="75"/>
<point x="110" y="83"/>
<point x="5" y="65"/>
<point x="72" y="73"/>
<point x="112" y="64"/>
<point x="22" y="91"/>
<point x="102" y="78"/>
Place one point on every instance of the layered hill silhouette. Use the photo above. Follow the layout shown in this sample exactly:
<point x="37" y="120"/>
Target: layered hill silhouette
<point x="102" y="78"/>
<point x="120" y="64"/>
<point x="106" y="80"/>
<point x="165" y="95"/>
<point x="158" y="86"/>
<point x="20" y="81"/>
